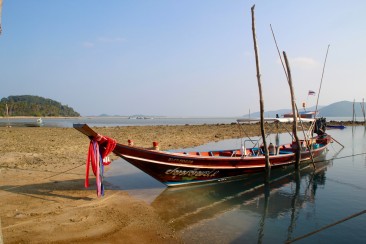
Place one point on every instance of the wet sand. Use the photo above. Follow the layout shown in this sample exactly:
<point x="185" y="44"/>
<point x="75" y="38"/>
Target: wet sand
<point x="42" y="194"/>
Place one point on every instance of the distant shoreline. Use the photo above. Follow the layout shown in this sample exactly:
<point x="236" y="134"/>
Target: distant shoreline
<point x="330" y="120"/>
<point x="46" y="117"/>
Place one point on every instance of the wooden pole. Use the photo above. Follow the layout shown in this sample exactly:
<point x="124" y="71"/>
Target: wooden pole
<point x="353" y="112"/>
<point x="297" y="110"/>
<point x="308" y="146"/>
<point x="294" y="125"/>
<point x="1" y="6"/>
<point x="363" y="111"/>
<point x="1" y="233"/>
<point x="278" y="50"/>
<point x="321" y="82"/>
<point x="268" y="166"/>
<point x="337" y="142"/>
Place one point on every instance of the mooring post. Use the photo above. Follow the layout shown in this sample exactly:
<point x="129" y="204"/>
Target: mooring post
<point x="1" y="234"/>
<point x="266" y="154"/>
<point x="294" y="124"/>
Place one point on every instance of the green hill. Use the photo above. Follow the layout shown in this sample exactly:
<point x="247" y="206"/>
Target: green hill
<point x="341" y="109"/>
<point x="27" y="105"/>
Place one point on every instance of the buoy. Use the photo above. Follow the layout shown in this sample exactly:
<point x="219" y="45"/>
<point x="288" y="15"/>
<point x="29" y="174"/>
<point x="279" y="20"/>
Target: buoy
<point x="156" y="145"/>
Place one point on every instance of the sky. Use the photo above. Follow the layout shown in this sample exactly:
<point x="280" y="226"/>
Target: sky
<point x="181" y="58"/>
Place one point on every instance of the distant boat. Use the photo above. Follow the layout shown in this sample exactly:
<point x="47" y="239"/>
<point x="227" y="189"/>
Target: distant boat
<point x="305" y="115"/>
<point x="38" y="123"/>
<point x="341" y="127"/>
<point x="140" y="117"/>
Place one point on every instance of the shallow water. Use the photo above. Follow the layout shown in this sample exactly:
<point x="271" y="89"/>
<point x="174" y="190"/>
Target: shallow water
<point x="241" y="212"/>
<point x="125" y="121"/>
<point x="115" y="121"/>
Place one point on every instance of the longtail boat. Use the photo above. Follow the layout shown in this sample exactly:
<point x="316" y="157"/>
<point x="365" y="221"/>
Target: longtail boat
<point x="181" y="168"/>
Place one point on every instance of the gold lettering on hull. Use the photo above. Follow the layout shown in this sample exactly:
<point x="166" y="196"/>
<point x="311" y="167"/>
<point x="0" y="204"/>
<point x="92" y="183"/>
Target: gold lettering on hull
<point x="192" y="172"/>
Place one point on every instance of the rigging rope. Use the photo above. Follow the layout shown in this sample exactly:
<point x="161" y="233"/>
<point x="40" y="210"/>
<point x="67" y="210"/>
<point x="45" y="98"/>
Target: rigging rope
<point x="327" y="226"/>
<point x="99" y="148"/>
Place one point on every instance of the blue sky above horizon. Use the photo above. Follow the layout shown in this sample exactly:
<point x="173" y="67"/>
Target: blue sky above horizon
<point x="180" y="58"/>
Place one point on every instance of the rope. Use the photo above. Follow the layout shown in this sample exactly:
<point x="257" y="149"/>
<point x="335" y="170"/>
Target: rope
<point x="327" y="226"/>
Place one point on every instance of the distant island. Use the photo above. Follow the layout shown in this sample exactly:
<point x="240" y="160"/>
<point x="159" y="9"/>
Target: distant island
<point x="337" y="109"/>
<point x="27" y="105"/>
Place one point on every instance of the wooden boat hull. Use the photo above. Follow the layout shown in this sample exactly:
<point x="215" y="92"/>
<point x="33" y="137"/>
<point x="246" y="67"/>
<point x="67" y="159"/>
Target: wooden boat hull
<point x="175" y="169"/>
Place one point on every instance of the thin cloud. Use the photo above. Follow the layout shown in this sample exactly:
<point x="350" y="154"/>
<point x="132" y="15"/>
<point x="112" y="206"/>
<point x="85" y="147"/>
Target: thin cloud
<point x="111" y="40"/>
<point x="88" y="44"/>
<point x="103" y="40"/>
<point x="304" y="62"/>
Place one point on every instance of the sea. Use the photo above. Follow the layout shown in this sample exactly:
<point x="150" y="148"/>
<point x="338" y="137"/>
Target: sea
<point x="101" y="121"/>
<point x="325" y="204"/>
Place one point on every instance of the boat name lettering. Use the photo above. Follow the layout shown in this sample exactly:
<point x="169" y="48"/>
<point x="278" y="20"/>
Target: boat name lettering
<point x="193" y="172"/>
<point x="178" y="160"/>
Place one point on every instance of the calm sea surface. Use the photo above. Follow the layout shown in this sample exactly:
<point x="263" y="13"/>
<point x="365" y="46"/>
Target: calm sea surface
<point x="295" y="206"/>
<point x="125" y="121"/>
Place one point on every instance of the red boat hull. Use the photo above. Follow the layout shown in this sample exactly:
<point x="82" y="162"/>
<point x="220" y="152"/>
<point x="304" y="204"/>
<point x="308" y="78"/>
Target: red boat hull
<point x="177" y="168"/>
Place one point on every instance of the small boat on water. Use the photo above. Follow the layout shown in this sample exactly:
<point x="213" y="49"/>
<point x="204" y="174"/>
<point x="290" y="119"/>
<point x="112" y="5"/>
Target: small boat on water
<point x="38" y="123"/>
<point x="305" y="115"/>
<point x="341" y="127"/>
<point x="181" y="168"/>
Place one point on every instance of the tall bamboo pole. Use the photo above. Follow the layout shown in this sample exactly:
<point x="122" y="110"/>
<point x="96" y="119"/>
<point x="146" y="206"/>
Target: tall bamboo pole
<point x="1" y="234"/>
<point x="353" y="112"/>
<point x="1" y="6"/>
<point x="294" y="125"/>
<point x="268" y="166"/>
<point x="321" y="82"/>
<point x="297" y="110"/>
<point x="363" y="111"/>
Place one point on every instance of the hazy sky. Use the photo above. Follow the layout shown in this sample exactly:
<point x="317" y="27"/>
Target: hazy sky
<point x="180" y="58"/>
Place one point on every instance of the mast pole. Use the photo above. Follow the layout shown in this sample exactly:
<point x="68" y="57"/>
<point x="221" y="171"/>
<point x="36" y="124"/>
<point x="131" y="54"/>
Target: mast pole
<point x="294" y="125"/>
<point x="1" y="6"/>
<point x="321" y="81"/>
<point x="268" y="166"/>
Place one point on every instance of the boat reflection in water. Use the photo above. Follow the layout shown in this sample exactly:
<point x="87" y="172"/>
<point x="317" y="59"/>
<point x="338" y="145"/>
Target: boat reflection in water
<point x="188" y="209"/>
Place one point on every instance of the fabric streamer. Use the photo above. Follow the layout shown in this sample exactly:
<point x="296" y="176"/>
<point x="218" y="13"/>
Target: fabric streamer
<point x="99" y="149"/>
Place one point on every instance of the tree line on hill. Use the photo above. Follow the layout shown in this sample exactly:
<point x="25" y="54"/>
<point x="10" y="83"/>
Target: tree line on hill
<point x="27" y="105"/>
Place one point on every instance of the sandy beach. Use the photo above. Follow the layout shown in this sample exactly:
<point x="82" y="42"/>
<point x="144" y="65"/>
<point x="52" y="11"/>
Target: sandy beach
<point x="42" y="190"/>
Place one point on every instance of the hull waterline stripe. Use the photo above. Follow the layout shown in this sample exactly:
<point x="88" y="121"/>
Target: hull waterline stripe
<point x="199" y="166"/>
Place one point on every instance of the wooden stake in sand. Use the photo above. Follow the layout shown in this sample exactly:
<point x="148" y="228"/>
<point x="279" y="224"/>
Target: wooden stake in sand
<point x="293" y="104"/>
<point x="363" y="111"/>
<point x="268" y="166"/>
<point x="353" y="112"/>
<point x="1" y="232"/>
